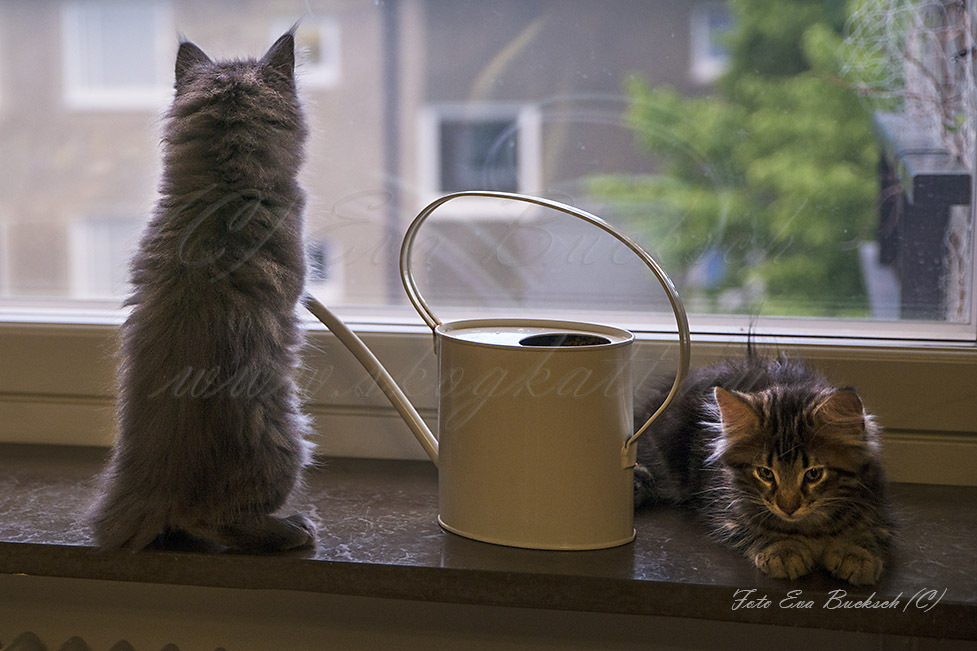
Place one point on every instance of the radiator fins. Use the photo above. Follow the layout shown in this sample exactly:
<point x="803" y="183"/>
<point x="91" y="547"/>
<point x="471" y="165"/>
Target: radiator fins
<point x="31" y="642"/>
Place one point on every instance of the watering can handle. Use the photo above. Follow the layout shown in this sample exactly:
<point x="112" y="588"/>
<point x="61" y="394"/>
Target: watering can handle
<point x="681" y="319"/>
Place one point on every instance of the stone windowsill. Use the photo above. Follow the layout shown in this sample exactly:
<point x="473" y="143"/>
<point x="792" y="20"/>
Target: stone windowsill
<point x="378" y="537"/>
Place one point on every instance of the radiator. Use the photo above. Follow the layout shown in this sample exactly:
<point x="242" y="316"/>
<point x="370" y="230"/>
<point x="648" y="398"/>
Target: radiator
<point x="31" y="642"/>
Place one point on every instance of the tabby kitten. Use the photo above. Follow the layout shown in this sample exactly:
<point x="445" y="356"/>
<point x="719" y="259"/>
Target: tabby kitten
<point x="211" y="438"/>
<point x="778" y="463"/>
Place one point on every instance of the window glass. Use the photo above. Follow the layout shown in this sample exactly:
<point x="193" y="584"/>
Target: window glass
<point x="111" y="54"/>
<point x="317" y="37"/>
<point x="711" y="25"/>
<point x="478" y="154"/>
<point x="99" y="250"/>
<point x="807" y="160"/>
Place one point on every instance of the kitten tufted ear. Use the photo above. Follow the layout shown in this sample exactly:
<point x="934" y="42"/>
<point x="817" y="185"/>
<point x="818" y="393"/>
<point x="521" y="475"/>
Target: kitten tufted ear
<point x="739" y="422"/>
<point x="281" y="55"/>
<point x="737" y="414"/>
<point x="841" y="407"/>
<point x="188" y="56"/>
<point x="840" y="420"/>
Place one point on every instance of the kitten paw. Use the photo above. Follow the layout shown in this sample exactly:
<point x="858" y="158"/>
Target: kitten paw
<point x="785" y="559"/>
<point x="305" y="531"/>
<point x="261" y="534"/>
<point x="643" y="487"/>
<point x="852" y="563"/>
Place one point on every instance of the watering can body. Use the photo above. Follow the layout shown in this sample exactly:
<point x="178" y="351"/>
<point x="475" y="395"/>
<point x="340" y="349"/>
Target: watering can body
<point x="530" y="434"/>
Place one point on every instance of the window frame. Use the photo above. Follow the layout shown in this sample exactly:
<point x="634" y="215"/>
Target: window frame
<point x="56" y="386"/>
<point x="57" y="365"/>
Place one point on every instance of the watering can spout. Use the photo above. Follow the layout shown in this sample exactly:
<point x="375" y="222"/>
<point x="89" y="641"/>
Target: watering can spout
<point x="417" y="426"/>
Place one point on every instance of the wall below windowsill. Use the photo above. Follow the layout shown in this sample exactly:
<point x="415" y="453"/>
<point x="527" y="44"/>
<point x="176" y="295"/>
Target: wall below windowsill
<point x="378" y="538"/>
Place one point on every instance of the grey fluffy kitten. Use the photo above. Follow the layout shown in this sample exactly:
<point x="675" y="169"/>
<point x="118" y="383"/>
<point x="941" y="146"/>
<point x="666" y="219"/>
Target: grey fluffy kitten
<point x="778" y="463"/>
<point x="211" y="438"/>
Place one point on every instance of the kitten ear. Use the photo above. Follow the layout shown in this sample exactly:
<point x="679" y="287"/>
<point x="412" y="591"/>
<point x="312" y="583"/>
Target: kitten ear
<point x="188" y="56"/>
<point x="738" y="423"/>
<point x="840" y="418"/>
<point x="737" y="414"/>
<point x="281" y="55"/>
<point x="841" y="407"/>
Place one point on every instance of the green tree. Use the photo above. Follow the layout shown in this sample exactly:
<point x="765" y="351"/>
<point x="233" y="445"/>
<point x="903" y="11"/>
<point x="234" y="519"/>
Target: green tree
<point x="768" y="186"/>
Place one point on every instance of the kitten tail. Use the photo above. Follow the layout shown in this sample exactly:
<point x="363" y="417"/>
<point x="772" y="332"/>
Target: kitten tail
<point x="124" y="521"/>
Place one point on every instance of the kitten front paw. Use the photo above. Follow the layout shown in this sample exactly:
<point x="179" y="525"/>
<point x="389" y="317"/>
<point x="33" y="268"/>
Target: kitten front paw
<point x="852" y="563"/>
<point x="643" y="487"/>
<point x="302" y="526"/>
<point x="785" y="559"/>
<point x="263" y="534"/>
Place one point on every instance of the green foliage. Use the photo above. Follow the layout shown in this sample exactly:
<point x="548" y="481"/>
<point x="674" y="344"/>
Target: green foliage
<point x="773" y="180"/>
<point x="768" y="33"/>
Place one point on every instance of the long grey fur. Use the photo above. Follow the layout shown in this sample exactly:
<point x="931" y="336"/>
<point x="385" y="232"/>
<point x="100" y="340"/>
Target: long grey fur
<point x="212" y="440"/>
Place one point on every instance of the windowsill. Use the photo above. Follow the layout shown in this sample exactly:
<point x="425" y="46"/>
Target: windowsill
<point x="378" y="537"/>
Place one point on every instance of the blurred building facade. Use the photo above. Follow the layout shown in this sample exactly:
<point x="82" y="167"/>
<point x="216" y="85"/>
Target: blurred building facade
<point x="406" y="99"/>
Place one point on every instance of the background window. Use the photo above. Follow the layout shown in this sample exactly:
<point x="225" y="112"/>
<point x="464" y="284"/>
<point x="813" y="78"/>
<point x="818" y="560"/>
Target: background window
<point x="100" y="251"/>
<point x="116" y="54"/>
<point x="758" y="186"/>
<point x="710" y="25"/>
<point x="324" y="275"/>
<point x="4" y="259"/>
<point x="318" y="48"/>
<point x="318" y="262"/>
<point x="479" y="154"/>
<point x="480" y="146"/>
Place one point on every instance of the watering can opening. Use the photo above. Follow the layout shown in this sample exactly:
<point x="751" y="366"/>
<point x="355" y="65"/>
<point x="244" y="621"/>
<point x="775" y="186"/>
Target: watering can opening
<point x="559" y="339"/>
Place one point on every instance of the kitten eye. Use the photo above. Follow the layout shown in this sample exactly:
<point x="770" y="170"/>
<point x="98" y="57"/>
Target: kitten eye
<point x="814" y="475"/>
<point x="763" y="473"/>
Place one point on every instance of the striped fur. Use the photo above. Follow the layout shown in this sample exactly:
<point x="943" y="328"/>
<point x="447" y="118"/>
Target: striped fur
<point x="778" y="464"/>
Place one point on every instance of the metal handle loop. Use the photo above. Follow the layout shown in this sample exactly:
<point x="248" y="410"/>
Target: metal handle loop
<point x="678" y="309"/>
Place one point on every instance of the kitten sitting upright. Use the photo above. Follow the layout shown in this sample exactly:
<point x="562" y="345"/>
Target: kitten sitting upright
<point x="211" y="438"/>
<point x="779" y="464"/>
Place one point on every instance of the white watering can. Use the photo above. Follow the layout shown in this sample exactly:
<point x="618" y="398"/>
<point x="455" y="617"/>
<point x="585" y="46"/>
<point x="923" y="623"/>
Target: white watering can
<point x="535" y="446"/>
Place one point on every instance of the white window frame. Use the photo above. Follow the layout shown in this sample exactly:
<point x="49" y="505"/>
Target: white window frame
<point x="79" y="94"/>
<point x="704" y="67"/>
<point x="528" y="156"/>
<point x="56" y="386"/>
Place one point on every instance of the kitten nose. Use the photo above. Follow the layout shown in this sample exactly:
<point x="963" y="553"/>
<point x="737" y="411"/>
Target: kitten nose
<point x="788" y="504"/>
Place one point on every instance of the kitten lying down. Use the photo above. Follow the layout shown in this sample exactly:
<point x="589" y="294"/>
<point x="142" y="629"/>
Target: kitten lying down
<point x="211" y="438"/>
<point x="778" y="463"/>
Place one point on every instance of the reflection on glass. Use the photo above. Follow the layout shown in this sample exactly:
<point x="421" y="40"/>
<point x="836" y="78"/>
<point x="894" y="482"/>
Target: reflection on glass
<point x="768" y="153"/>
